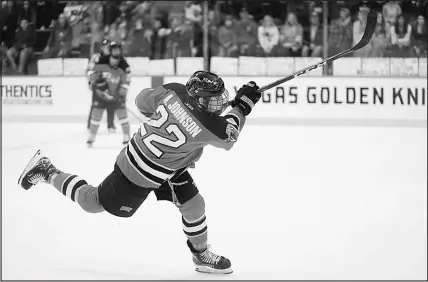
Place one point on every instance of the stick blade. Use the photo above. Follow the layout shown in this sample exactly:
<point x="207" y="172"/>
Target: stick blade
<point x="369" y="31"/>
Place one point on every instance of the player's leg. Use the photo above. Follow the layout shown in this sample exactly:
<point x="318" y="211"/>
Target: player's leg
<point x="110" y="117"/>
<point x="41" y="170"/>
<point x="192" y="207"/>
<point x="116" y="194"/>
<point x="96" y="115"/>
<point x="92" y="106"/>
<point x="89" y="118"/>
<point x="122" y="115"/>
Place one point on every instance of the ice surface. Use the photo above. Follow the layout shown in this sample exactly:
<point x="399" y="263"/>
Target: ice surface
<point x="285" y="203"/>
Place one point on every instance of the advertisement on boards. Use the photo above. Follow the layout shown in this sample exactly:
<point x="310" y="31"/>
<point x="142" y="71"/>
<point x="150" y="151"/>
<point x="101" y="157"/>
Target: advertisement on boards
<point x="336" y="97"/>
<point x="27" y="94"/>
<point x="54" y="96"/>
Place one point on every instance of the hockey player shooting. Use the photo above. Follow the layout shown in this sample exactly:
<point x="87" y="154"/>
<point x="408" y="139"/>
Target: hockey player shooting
<point x="110" y="79"/>
<point x="89" y="71"/>
<point x="183" y="120"/>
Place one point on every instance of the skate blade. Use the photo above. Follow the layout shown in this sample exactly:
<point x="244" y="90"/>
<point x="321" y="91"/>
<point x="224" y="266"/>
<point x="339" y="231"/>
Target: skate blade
<point x="206" y="269"/>
<point x="37" y="156"/>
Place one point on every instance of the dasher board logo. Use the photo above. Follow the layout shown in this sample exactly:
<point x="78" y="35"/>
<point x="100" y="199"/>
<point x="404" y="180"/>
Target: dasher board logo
<point x="26" y="94"/>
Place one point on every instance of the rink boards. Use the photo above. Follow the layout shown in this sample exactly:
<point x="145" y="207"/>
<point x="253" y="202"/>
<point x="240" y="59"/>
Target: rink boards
<point x="358" y="100"/>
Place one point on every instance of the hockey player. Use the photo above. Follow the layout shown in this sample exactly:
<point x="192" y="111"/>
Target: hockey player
<point x="183" y="120"/>
<point x="110" y="79"/>
<point x="89" y="71"/>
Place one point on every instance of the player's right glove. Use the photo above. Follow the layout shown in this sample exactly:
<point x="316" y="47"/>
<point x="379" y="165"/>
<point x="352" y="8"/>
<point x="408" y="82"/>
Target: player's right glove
<point x="246" y="98"/>
<point x="99" y="85"/>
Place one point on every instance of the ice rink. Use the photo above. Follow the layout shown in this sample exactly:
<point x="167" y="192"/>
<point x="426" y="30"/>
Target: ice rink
<point x="287" y="202"/>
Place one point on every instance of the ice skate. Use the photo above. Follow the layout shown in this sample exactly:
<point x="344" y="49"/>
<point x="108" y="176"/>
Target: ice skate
<point x="126" y="139"/>
<point x="38" y="170"/>
<point x="208" y="262"/>
<point x="91" y="140"/>
<point x="112" y="129"/>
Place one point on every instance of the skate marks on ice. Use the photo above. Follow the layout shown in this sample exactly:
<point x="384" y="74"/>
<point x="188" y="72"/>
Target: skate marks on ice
<point x="320" y="203"/>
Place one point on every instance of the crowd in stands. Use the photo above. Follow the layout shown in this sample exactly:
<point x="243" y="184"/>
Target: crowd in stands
<point x="165" y="29"/>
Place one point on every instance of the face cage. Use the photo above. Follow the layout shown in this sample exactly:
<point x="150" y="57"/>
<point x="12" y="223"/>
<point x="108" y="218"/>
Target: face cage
<point x="216" y="104"/>
<point x="115" y="56"/>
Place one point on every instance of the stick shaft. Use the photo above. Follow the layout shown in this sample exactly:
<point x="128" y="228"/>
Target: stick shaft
<point x="367" y="36"/>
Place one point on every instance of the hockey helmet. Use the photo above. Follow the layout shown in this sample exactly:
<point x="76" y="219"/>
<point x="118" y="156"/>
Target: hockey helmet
<point x="207" y="92"/>
<point x="113" y="45"/>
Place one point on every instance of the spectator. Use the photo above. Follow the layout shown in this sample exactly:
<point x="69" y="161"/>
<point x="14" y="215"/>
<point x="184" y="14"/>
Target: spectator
<point x="400" y="37"/>
<point x="158" y="40"/>
<point x="246" y="30"/>
<point x="59" y="43"/>
<point x="139" y="41"/>
<point x="198" y="39"/>
<point x="111" y="13"/>
<point x="358" y="31"/>
<point x="25" y="39"/>
<point x="268" y="35"/>
<point x="291" y="38"/>
<point x="419" y="37"/>
<point x="380" y="41"/>
<point x="313" y="39"/>
<point x="227" y="39"/>
<point x="140" y="15"/>
<point x="390" y="11"/>
<point x="3" y="57"/>
<point x="193" y="11"/>
<point x="47" y="12"/>
<point x="214" y="45"/>
<point x="27" y="12"/>
<point x="96" y="26"/>
<point x="75" y="12"/>
<point x="11" y="23"/>
<point x="181" y="38"/>
<point x="118" y="30"/>
<point x="340" y="35"/>
<point x="3" y="16"/>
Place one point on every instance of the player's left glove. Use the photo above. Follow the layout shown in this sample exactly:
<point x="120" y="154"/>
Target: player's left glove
<point x="122" y="91"/>
<point x="247" y="97"/>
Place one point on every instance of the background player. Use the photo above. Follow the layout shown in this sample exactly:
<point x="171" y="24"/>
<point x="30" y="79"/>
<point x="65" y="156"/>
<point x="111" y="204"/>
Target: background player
<point x="110" y="80"/>
<point x="183" y="120"/>
<point x="89" y="71"/>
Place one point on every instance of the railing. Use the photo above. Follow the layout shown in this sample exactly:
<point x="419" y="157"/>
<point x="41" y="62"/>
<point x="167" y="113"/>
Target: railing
<point x="248" y="66"/>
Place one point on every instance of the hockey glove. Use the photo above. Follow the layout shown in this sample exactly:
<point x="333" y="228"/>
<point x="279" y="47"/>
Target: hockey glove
<point x="246" y="98"/>
<point x="101" y="89"/>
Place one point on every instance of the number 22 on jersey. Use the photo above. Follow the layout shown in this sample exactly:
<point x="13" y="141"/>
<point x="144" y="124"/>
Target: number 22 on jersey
<point x="164" y="136"/>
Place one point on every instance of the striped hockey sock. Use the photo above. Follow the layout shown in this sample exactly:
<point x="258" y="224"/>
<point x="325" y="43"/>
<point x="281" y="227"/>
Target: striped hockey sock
<point x="122" y="115"/>
<point x="196" y="231"/>
<point x="95" y="122"/>
<point x="68" y="184"/>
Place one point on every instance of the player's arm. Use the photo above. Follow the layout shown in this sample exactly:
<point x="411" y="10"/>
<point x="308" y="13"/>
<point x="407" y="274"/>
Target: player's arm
<point x="98" y="83"/>
<point x="148" y="99"/>
<point x="234" y="122"/>
<point x="98" y="68"/>
<point x="125" y="79"/>
<point x="245" y="100"/>
<point x="90" y="68"/>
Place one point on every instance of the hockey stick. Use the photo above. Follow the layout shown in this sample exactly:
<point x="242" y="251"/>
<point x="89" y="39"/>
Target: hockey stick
<point x="137" y="117"/>
<point x="367" y="36"/>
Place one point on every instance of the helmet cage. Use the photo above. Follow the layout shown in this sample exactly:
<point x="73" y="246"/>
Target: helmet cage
<point x="208" y="92"/>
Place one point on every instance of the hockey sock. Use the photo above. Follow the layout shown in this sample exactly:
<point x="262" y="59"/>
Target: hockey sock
<point x="196" y="231"/>
<point x="96" y="116"/>
<point x="122" y="115"/>
<point x="68" y="184"/>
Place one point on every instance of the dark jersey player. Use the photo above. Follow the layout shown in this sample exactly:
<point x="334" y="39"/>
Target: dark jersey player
<point x="89" y="71"/>
<point x="110" y="80"/>
<point x="183" y="120"/>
